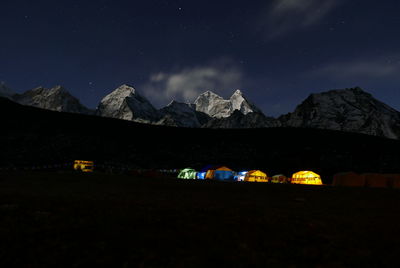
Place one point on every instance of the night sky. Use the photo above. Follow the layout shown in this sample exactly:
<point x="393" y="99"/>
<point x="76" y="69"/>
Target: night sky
<point x="277" y="52"/>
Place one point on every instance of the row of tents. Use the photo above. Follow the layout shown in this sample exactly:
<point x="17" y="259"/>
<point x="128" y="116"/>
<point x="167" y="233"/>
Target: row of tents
<point x="223" y="173"/>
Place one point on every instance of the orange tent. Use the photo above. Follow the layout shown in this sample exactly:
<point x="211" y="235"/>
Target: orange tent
<point x="376" y="180"/>
<point x="348" y="179"/>
<point x="393" y="180"/>
<point x="306" y="177"/>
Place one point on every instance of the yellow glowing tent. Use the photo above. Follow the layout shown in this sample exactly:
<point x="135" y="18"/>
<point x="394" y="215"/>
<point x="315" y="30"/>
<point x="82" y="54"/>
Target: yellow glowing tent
<point x="306" y="177"/>
<point x="256" y="176"/>
<point x="84" y="166"/>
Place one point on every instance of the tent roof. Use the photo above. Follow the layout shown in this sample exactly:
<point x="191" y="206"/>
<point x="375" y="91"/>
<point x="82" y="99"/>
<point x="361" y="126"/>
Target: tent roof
<point x="257" y="173"/>
<point x="210" y="167"/>
<point x="223" y="168"/>
<point x="187" y="169"/>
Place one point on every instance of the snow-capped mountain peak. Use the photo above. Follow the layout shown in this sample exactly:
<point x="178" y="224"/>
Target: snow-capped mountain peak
<point x="217" y="107"/>
<point x="126" y="103"/>
<point x="240" y="102"/>
<point x="55" y="99"/>
<point x="352" y="110"/>
<point x="213" y="105"/>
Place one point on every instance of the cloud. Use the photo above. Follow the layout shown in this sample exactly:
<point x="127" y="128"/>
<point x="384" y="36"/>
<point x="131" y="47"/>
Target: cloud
<point x="374" y="68"/>
<point x="187" y="83"/>
<point x="285" y="16"/>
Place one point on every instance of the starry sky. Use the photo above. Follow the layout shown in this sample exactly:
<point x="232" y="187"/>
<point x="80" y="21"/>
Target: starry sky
<point x="278" y="51"/>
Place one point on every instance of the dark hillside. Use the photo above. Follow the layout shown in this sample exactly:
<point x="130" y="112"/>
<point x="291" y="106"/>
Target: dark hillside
<point x="31" y="136"/>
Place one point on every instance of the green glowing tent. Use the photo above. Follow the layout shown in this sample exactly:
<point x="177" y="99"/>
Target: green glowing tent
<point x="187" y="173"/>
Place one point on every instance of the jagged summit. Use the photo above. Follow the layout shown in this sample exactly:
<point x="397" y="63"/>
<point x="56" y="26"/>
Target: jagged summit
<point x="216" y="106"/>
<point x="351" y="109"/>
<point x="238" y="92"/>
<point x="210" y="93"/>
<point x="122" y="91"/>
<point x="240" y="102"/>
<point x="55" y="99"/>
<point x="126" y="103"/>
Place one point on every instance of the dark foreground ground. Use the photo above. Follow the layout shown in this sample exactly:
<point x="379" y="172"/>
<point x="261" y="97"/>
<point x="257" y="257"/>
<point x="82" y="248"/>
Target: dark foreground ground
<point x="81" y="220"/>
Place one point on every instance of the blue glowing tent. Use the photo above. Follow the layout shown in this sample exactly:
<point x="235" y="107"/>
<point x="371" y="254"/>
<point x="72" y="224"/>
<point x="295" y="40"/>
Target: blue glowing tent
<point x="224" y="174"/>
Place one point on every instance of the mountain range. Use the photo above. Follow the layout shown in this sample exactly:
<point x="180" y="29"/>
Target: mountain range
<point x="349" y="110"/>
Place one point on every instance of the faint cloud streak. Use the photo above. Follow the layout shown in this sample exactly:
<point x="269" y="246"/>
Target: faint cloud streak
<point x="285" y="16"/>
<point x="187" y="83"/>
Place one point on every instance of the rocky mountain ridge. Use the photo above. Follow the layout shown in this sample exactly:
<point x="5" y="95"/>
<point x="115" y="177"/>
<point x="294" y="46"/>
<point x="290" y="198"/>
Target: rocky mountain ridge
<point x="55" y="99"/>
<point x="350" y="110"/>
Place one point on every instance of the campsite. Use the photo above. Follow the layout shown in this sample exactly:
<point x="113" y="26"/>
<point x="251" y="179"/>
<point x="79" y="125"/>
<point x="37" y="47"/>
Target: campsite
<point x="185" y="134"/>
<point x="29" y="140"/>
<point x="68" y="219"/>
<point x="125" y="215"/>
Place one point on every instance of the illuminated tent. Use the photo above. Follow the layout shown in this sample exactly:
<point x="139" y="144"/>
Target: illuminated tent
<point x="376" y="180"/>
<point x="201" y="175"/>
<point x="306" y="177"/>
<point x="240" y="175"/>
<point x="256" y="176"/>
<point x="395" y="180"/>
<point x="348" y="179"/>
<point x="210" y="173"/>
<point x="221" y="173"/>
<point x="187" y="173"/>
<point x="279" y="179"/>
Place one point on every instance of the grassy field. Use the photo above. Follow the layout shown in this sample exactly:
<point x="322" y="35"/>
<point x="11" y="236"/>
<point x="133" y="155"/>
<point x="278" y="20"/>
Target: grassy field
<point x="77" y="220"/>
